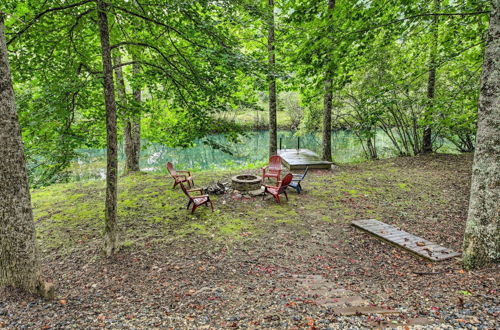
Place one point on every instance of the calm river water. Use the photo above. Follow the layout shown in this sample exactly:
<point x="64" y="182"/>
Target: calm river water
<point x="253" y="149"/>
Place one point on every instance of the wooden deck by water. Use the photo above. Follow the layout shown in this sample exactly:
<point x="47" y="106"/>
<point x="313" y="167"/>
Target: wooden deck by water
<point x="297" y="159"/>
<point x="405" y="240"/>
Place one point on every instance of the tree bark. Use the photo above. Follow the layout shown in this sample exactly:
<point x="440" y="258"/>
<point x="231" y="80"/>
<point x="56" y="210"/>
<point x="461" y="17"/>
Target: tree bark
<point x="327" y="104"/>
<point x="327" y="121"/>
<point x="131" y="130"/>
<point x="110" y="228"/>
<point x="122" y="99"/>
<point x="431" y="82"/>
<point x="135" y="127"/>
<point x="482" y="234"/>
<point x="19" y="262"/>
<point x="272" y="83"/>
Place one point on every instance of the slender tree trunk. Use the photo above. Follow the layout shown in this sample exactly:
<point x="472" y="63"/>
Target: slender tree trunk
<point x="110" y="229"/>
<point x="135" y="126"/>
<point x="120" y="81"/>
<point x="327" y="104"/>
<point x="131" y="129"/>
<point x="122" y="99"/>
<point x="431" y="82"/>
<point x="482" y="234"/>
<point x="370" y="144"/>
<point x="134" y="152"/>
<point x="19" y="262"/>
<point x="272" y="83"/>
<point x="327" y="121"/>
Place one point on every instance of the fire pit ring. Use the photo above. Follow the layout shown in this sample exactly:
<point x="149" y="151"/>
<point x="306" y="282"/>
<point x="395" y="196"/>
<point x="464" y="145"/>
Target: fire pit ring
<point x="246" y="182"/>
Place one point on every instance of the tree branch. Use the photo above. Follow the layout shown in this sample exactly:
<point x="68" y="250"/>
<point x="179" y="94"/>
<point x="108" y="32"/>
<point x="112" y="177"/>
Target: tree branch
<point x="417" y="16"/>
<point x="39" y="15"/>
<point x="164" y="56"/>
<point x="73" y="27"/>
<point x="149" y="19"/>
<point x="116" y="66"/>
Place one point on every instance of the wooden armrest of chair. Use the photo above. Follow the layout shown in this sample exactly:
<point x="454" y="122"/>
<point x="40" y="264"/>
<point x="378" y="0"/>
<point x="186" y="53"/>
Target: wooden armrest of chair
<point x="179" y="176"/>
<point x="189" y="173"/>
<point x="201" y="196"/>
<point x="197" y="189"/>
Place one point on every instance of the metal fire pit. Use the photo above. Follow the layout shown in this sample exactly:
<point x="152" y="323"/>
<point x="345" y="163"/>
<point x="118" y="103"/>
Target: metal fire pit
<point x="246" y="182"/>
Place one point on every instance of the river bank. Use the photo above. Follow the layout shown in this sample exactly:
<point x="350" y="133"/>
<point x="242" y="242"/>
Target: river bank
<point x="251" y="151"/>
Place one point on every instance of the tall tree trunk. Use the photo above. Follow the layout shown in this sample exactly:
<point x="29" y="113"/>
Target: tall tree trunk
<point x="327" y="103"/>
<point x="272" y="83"/>
<point x="482" y="234"/>
<point x="110" y="228"/>
<point x="19" y="262"/>
<point x="120" y="81"/>
<point x="122" y="99"/>
<point x="327" y="121"/>
<point x="135" y="126"/>
<point x="131" y="129"/>
<point x="431" y="82"/>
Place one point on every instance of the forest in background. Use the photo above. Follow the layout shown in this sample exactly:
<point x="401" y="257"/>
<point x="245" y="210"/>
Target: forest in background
<point x="183" y="68"/>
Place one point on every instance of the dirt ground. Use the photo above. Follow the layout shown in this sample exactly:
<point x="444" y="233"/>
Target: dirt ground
<point x="256" y="264"/>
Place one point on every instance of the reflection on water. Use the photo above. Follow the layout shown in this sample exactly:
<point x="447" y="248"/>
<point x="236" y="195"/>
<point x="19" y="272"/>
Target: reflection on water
<point x="252" y="149"/>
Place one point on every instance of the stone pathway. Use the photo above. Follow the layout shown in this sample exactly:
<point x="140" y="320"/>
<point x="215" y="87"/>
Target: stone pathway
<point x="344" y="302"/>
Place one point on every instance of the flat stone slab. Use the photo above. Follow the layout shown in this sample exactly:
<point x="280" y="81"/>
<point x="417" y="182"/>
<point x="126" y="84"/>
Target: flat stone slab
<point x="419" y="321"/>
<point x="365" y="310"/>
<point x="299" y="159"/>
<point x="255" y="193"/>
<point x="328" y="294"/>
<point x="407" y="241"/>
<point x="343" y="301"/>
<point x="340" y="301"/>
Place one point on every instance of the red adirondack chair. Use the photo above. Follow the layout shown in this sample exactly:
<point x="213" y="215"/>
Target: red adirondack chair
<point x="280" y="188"/>
<point x="179" y="178"/>
<point x="196" y="200"/>
<point x="273" y="170"/>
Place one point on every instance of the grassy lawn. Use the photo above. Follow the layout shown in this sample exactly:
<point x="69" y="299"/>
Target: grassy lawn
<point x="69" y="216"/>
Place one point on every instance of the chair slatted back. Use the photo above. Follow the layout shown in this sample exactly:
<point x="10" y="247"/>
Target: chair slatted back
<point x="171" y="169"/>
<point x="185" y="190"/>
<point x="305" y="173"/>
<point x="275" y="163"/>
<point x="285" y="182"/>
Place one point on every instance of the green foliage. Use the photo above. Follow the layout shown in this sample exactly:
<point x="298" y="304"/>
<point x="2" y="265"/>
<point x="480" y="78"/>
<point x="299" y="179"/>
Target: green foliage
<point x="379" y="56"/>
<point x="204" y="63"/>
<point x="188" y="54"/>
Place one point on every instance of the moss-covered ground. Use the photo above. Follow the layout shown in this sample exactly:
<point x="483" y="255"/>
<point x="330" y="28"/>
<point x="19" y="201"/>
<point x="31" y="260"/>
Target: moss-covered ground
<point x="232" y="267"/>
